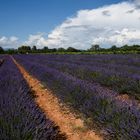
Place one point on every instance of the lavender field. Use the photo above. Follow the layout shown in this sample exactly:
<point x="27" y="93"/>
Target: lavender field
<point x="69" y="69"/>
<point x="20" y="116"/>
<point x="94" y="85"/>
<point x="101" y="89"/>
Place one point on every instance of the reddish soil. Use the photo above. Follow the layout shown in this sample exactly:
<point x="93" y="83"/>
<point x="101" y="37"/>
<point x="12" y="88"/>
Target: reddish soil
<point x="123" y="97"/>
<point x="73" y="127"/>
<point x="127" y="98"/>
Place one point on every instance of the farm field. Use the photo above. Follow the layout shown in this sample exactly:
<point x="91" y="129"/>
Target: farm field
<point x="20" y="116"/>
<point x="101" y="90"/>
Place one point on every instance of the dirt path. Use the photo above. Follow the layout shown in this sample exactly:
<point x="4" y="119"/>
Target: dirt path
<point x="68" y="123"/>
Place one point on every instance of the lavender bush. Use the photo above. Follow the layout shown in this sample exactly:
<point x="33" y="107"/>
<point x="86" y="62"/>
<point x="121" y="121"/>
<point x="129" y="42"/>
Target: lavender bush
<point x="121" y="118"/>
<point x="20" y="116"/>
<point x="120" y="78"/>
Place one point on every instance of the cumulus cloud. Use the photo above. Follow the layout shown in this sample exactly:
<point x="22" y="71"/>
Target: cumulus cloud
<point x="113" y="24"/>
<point x="119" y="38"/>
<point x="8" y="42"/>
<point x="106" y="13"/>
<point x="38" y="40"/>
<point x="116" y="24"/>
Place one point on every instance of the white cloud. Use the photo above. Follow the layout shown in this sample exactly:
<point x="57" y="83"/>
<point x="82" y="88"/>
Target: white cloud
<point x="37" y="40"/>
<point x="8" y="42"/>
<point x="120" y="38"/>
<point x="114" y="24"/>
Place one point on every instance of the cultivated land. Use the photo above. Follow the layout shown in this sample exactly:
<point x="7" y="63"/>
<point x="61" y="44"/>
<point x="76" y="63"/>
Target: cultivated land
<point x="70" y="97"/>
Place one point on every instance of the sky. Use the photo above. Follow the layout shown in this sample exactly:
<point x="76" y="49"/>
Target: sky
<point x="65" y="23"/>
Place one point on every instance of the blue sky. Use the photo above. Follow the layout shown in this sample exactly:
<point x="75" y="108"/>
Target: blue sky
<point x="23" y="17"/>
<point x="24" y="20"/>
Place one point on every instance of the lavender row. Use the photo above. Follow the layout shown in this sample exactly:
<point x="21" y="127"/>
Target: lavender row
<point x="109" y="70"/>
<point x="117" y="69"/>
<point x="119" y="117"/>
<point x="100" y="61"/>
<point x="133" y="60"/>
<point x="114" y="67"/>
<point x="119" y="82"/>
<point x="122" y="82"/>
<point x="20" y="116"/>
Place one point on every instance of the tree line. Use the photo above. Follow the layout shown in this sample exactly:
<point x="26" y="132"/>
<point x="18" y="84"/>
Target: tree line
<point x="93" y="49"/>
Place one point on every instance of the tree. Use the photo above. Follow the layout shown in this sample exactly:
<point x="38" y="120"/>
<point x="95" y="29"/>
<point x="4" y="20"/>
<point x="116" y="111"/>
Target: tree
<point x="71" y="49"/>
<point x="113" y="48"/>
<point x="45" y="48"/>
<point x="1" y="50"/>
<point x="125" y="47"/>
<point x="61" y="50"/>
<point x="95" y="47"/>
<point x="34" y="48"/>
<point x="11" y="51"/>
<point x="24" y="49"/>
<point x="53" y="50"/>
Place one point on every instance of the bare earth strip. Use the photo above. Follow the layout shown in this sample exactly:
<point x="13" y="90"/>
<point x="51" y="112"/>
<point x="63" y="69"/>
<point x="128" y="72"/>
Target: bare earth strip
<point x="51" y="107"/>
